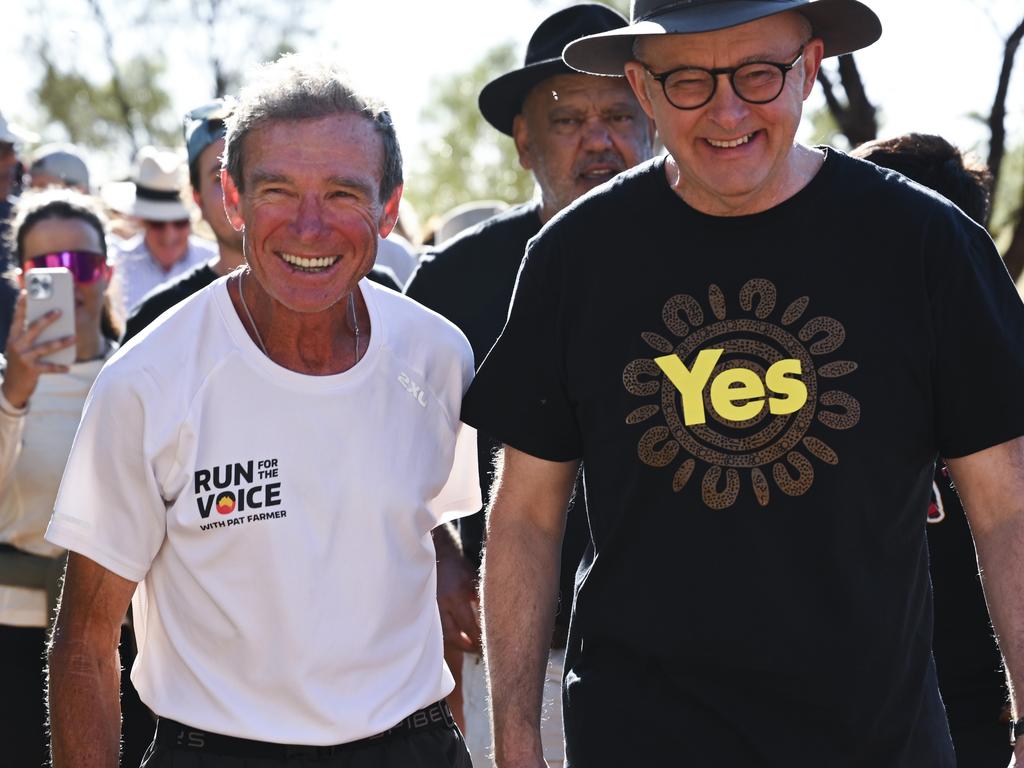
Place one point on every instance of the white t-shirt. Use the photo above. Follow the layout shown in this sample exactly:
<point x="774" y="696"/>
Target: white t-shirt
<point x="279" y="523"/>
<point x="34" y="446"/>
<point x="136" y="273"/>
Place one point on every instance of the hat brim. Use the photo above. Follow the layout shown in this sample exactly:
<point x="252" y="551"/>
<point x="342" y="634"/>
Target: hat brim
<point x="844" y="26"/>
<point x="502" y="98"/>
<point x="121" y="197"/>
<point x="15" y="134"/>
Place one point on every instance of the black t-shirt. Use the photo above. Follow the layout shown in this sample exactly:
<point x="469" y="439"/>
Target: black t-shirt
<point x="759" y="593"/>
<point x="168" y="294"/>
<point x="469" y="280"/>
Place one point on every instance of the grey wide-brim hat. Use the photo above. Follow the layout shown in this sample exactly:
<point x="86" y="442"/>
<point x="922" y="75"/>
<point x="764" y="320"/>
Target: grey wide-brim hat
<point x="844" y="26"/>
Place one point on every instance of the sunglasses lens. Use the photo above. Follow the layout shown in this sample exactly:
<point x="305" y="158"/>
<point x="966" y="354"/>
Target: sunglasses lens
<point x="85" y="266"/>
<point x="177" y="224"/>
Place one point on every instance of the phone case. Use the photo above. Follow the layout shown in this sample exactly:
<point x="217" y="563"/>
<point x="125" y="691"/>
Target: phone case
<point x="52" y="288"/>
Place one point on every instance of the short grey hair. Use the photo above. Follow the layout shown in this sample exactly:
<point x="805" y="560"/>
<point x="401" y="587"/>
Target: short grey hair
<point x="296" y="87"/>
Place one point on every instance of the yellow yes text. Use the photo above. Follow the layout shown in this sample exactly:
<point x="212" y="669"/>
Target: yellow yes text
<point x="737" y="394"/>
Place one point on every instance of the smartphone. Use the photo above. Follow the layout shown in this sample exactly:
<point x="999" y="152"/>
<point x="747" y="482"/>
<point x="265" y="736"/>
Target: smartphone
<point x="52" y="288"/>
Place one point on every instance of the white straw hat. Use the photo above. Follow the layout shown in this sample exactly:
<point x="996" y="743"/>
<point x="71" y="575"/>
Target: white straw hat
<point x="154" y="191"/>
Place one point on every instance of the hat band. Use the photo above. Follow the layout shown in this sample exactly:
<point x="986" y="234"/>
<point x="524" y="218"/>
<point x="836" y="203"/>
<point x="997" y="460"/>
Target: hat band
<point x="669" y="7"/>
<point x="148" y="193"/>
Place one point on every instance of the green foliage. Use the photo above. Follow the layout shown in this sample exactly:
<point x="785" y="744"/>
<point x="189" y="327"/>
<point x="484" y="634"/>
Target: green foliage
<point x="91" y="112"/>
<point x="824" y="128"/>
<point x="467" y="159"/>
<point x="1009" y="196"/>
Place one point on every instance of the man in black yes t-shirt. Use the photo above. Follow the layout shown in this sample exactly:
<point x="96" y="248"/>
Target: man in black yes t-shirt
<point x="574" y="132"/>
<point x="757" y="349"/>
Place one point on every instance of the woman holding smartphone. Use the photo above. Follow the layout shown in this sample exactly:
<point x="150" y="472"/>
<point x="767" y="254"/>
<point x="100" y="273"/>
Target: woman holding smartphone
<point x="40" y="407"/>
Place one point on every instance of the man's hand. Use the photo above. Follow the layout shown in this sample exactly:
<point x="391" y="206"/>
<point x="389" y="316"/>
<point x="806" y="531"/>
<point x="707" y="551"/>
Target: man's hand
<point x="24" y="364"/>
<point x="456" y="593"/>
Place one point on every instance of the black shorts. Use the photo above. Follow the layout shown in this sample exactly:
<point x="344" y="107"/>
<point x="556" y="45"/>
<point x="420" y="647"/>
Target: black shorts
<point x="439" y="745"/>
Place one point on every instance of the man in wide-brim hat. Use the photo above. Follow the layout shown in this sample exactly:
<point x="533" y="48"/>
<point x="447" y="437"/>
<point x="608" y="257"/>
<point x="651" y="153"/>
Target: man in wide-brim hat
<point x="573" y="132"/>
<point x="758" y="348"/>
<point x="165" y="248"/>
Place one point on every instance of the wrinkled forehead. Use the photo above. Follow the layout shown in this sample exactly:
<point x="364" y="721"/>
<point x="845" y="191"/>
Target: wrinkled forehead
<point x="579" y="89"/>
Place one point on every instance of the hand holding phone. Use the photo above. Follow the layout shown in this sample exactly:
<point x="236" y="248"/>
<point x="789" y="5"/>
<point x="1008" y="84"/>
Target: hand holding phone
<point x="42" y="333"/>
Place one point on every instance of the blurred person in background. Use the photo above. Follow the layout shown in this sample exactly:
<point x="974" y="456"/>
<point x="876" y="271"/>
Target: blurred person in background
<point x="966" y="654"/>
<point x="573" y="132"/>
<point x="11" y="137"/>
<point x="204" y="142"/>
<point x="165" y="247"/>
<point x="40" y="406"/>
<point x="58" y="165"/>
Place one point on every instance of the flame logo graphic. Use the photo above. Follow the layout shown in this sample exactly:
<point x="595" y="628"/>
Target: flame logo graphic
<point x="226" y="503"/>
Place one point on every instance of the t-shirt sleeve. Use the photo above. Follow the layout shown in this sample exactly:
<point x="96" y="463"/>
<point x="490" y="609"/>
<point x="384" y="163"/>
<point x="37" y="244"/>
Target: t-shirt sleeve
<point x="520" y="394"/>
<point x="460" y="495"/>
<point x="144" y="314"/>
<point x="421" y="284"/>
<point x="979" y="342"/>
<point x="109" y="506"/>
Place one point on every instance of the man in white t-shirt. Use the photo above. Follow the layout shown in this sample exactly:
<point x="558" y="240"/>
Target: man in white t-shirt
<point x="263" y="467"/>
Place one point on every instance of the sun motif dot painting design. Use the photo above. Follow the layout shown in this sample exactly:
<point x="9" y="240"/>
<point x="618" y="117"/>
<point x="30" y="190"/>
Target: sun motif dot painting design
<point x="743" y="402"/>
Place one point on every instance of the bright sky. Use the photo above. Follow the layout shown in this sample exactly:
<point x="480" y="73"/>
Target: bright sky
<point x="929" y="72"/>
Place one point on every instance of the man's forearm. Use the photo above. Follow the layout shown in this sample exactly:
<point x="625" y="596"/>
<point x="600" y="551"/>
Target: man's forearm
<point x="521" y="569"/>
<point x="1002" y="573"/>
<point x="85" y="706"/>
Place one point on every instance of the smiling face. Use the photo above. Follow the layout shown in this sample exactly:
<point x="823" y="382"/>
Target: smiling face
<point x="733" y="157"/>
<point x="53" y="235"/>
<point x="577" y="131"/>
<point x="167" y="241"/>
<point x="311" y="210"/>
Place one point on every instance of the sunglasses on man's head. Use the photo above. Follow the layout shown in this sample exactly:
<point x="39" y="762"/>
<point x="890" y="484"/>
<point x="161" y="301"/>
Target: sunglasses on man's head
<point x="85" y="266"/>
<point x="177" y="224"/>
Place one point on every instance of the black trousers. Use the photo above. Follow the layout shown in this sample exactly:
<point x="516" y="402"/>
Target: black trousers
<point x="425" y="748"/>
<point x="24" y="739"/>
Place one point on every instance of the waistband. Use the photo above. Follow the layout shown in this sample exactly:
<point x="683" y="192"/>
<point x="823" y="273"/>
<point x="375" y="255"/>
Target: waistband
<point x="170" y="733"/>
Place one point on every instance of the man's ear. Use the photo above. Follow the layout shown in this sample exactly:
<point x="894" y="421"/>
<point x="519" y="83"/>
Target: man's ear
<point x="635" y="76"/>
<point x="390" y="215"/>
<point x="813" y="53"/>
<point x="521" y="137"/>
<point x="232" y="201"/>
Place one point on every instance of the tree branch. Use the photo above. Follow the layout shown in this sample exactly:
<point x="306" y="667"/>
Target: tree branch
<point x="997" y="117"/>
<point x="856" y="119"/>
<point x="115" y="78"/>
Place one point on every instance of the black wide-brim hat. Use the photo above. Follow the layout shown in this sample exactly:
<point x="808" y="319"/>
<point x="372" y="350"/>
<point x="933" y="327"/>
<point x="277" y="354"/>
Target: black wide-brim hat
<point x="844" y="26"/>
<point x="502" y="98"/>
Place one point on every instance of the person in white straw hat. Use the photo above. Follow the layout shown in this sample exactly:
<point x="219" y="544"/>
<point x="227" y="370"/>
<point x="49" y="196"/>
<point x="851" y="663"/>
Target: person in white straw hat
<point x="165" y="248"/>
<point x="758" y="349"/>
